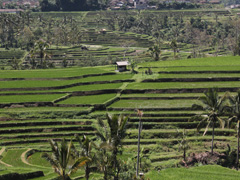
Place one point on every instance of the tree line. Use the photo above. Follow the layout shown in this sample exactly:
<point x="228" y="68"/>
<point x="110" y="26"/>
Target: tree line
<point x="75" y="5"/>
<point x="202" y="36"/>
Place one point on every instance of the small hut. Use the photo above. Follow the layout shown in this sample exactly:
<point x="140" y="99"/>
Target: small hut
<point x="122" y="66"/>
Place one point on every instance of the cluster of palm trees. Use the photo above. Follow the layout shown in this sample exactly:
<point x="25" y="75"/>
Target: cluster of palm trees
<point x="101" y="154"/>
<point x="216" y="107"/>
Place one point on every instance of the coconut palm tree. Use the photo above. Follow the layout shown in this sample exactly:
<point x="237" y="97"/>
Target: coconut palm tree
<point x="104" y="160"/>
<point x="40" y="49"/>
<point x="235" y="116"/>
<point x="140" y="115"/>
<point x="112" y="134"/>
<point x="155" y="52"/>
<point x="86" y="146"/>
<point x="63" y="160"/>
<point x="174" y="46"/>
<point x="214" y="107"/>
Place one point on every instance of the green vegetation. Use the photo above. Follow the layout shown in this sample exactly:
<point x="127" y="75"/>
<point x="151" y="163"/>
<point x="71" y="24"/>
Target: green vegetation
<point x="195" y="173"/>
<point x="29" y="98"/>
<point x="142" y="104"/>
<point x="52" y="73"/>
<point x="182" y="85"/>
<point x="93" y="99"/>
<point x="25" y="127"/>
<point x="197" y="62"/>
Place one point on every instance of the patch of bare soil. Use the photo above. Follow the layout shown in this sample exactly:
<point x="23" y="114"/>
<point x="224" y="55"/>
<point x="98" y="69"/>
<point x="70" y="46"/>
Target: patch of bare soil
<point x="204" y="158"/>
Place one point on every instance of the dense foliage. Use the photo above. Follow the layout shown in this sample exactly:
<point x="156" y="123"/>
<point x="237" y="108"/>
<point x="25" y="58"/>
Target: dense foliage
<point x="75" y="5"/>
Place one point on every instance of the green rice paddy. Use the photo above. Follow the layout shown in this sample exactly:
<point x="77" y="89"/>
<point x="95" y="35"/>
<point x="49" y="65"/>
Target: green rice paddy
<point x="24" y="128"/>
<point x="29" y="98"/>
<point x="93" y="99"/>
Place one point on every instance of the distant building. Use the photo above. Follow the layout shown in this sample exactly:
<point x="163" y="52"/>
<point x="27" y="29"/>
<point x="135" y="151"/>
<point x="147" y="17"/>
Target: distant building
<point x="120" y="4"/>
<point x="15" y="11"/>
<point x="151" y="7"/>
<point x="214" y="2"/>
<point x="203" y="2"/>
<point x="140" y="4"/>
<point x="235" y="6"/>
<point x="26" y="3"/>
<point x="122" y="66"/>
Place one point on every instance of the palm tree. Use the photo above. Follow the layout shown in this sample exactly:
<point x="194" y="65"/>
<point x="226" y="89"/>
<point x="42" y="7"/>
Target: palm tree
<point x="214" y="106"/>
<point x="103" y="159"/>
<point x="174" y="46"/>
<point x="40" y="49"/>
<point x="155" y="52"/>
<point x="235" y="116"/>
<point x="86" y="146"/>
<point x="140" y="114"/>
<point x="62" y="159"/>
<point x="133" y="65"/>
<point x="112" y="134"/>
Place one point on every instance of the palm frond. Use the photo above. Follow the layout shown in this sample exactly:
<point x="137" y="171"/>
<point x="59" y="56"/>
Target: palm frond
<point x="101" y="130"/>
<point x="55" y="149"/>
<point x="106" y="145"/>
<point x="52" y="162"/>
<point x="221" y="122"/>
<point x="100" y="122"/>
<point x="78" y="163"/>
<point x="230" y="120"/>
<point x="206" y="129"/>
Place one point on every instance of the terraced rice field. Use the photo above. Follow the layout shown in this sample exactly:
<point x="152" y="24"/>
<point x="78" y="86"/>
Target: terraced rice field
<point x="30" y="115"/>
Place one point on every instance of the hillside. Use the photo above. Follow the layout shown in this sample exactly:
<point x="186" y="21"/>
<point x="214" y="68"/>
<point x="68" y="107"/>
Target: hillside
<point x="40" y="104"/>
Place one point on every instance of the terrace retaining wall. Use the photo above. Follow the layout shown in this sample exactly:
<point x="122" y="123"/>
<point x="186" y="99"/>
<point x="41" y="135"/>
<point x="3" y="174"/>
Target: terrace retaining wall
<point x="190" y="90"/>
<point x="196" y="72"/>
<point x="215" y="79"/>
<point x="48" y="135"/>
<point x="155" y="98"/>
<point x="25" y="176"/>
<point x="150" y="109"/>
<point x="26" y="104"/>
<point x="96" y="92"/>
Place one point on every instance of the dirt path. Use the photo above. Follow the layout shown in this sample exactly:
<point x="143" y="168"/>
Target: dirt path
<point x="24" y="160"/>
<point x="23" y="157"/>
<point x="1" y="162"/>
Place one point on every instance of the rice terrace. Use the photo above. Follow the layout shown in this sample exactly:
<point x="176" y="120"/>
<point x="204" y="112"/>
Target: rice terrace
<point x="119" y="90"/>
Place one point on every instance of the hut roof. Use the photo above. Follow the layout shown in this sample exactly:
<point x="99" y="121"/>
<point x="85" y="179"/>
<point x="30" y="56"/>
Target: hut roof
<point x="122" y="63"/>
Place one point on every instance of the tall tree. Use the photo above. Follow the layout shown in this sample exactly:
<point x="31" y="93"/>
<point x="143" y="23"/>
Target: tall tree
<point x="40" y="49"/>
<point x="140" y="114"/>
<point x="214" y="107"/>
<point x="174" y="46"/>
<point x="155" y="52"/>
<point x="113" y="133"/>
